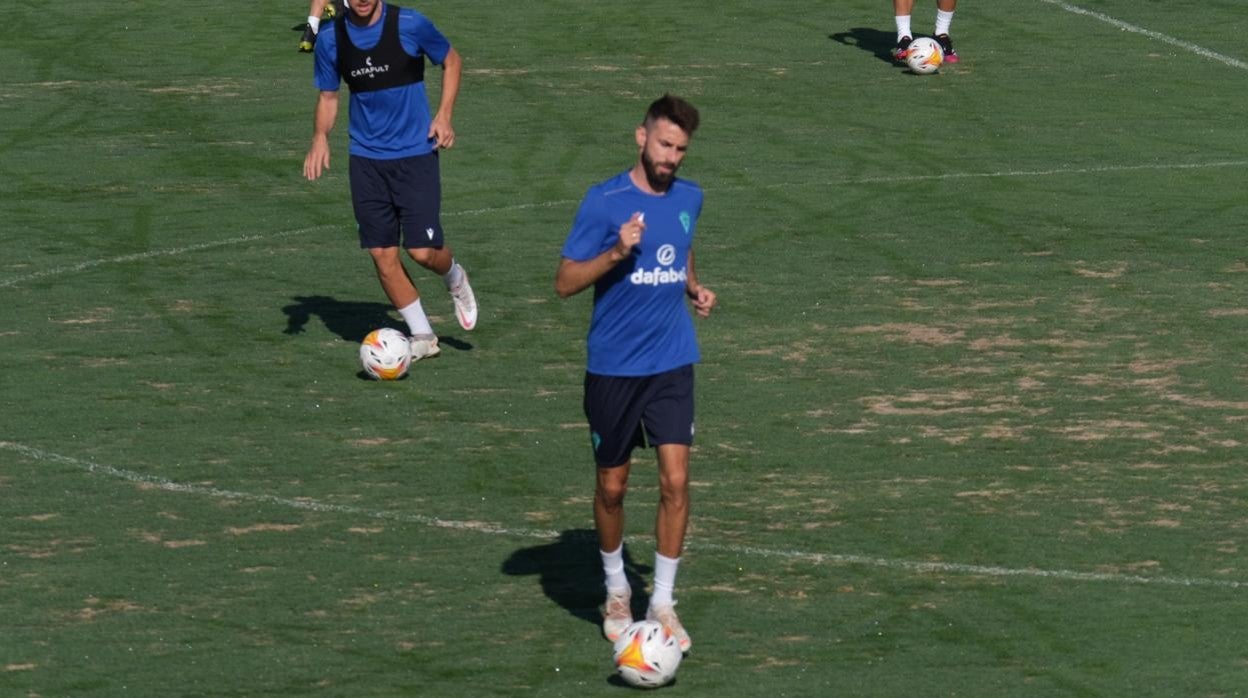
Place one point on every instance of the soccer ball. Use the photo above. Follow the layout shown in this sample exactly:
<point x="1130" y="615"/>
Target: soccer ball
<point x="924" y="56"/>
<point x="646" y="655"/>
<point x="385" y="354"/>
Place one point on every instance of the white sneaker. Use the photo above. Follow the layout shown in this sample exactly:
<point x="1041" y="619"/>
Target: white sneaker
<point x="424" y="346"/>
<point x="617" y="614"/>
<point x="666" y="615"/>
<point x="465" y="303"/>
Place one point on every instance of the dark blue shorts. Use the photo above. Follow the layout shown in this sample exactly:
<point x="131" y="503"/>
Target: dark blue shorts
<point x="627" y="412"/>
<point x="397" y="202"/>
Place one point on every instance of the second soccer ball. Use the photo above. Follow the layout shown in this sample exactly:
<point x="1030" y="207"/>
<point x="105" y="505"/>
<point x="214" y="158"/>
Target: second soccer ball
<point x="924" y="56"/>
<point x="646" y="655"/>
<point x="385" y="354"/>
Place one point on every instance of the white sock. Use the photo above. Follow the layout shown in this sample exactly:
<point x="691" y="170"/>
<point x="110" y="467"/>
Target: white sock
<point x="315" y="23"/>
<point x="417" y="321"/>
<point x="455" y="276"/>
<point x="903" y="26"/>
<point x="943" y="19"/>
<point x="613" y="569"/>
<point x="664" y="580"/>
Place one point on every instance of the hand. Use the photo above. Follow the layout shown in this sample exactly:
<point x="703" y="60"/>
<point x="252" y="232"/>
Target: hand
<point x="442" y="133"/>
<point x="703" y="300"/>
<point x="317" y="159"/>
<point x="630" y="234"/>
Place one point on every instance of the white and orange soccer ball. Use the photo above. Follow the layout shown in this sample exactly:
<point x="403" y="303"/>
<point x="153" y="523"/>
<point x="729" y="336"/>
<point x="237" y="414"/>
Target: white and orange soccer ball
<point x="924" y="56"/>
<point x="646" y="655"/>
<point x="385" y="354"/>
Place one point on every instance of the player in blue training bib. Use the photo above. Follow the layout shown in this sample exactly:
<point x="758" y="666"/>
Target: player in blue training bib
<point x="632" y="240"/>
<point x="379" y="51"/>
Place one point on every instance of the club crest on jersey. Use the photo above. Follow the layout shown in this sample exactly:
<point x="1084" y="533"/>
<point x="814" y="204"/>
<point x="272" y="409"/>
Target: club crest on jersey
<point x="685" y="221"/>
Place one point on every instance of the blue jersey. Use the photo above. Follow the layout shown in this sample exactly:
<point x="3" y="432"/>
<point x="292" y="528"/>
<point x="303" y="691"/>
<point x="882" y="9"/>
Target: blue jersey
<point x="392" y="123"/>
<point x="641" y="324"/>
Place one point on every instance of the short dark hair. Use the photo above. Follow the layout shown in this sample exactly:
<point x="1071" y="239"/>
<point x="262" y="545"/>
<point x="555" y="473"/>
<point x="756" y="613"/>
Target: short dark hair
<point x="675" y="110"/>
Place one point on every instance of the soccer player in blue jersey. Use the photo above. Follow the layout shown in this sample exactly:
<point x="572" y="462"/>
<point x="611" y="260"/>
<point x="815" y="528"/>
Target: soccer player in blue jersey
<point x="632" y="240"/>
<point x="379" y="50"/>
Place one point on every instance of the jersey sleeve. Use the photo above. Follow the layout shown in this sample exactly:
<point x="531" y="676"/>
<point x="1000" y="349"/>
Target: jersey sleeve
<point x="325" y="59"/>
<point x="591" y="230"/>
<point x="418" y="34"/>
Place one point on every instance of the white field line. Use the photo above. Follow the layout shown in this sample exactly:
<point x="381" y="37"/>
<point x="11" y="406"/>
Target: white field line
<point x="142" y="256"/>
<point x="847" y="181"/>
<point x="301" y="503"/>
<point x="914" y="566"/>
<point x="1186" y="46"/>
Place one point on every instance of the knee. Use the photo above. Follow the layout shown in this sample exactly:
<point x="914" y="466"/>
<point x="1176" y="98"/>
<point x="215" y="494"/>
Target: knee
<point x="611" y="494"/>
<point x="386" y="259"/>
<point x="674" y="487"/>
<point x="426" y="257"/>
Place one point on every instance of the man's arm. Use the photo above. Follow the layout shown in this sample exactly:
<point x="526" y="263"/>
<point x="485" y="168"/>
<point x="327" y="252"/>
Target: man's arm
<point x="317" y="159"/>
<point x="573" y="277"/>
<point x="440" y="128"/>
<point x="703" y="298"/>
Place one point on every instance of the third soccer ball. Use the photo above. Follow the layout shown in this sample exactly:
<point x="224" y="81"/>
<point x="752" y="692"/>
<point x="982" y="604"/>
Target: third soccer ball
<point x="385" y="354"/>
<point x="646" y="655"/>
<point x="924" y="56"/>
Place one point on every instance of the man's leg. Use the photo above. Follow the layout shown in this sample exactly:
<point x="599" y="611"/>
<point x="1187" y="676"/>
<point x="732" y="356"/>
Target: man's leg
<point x="673" y="515"/>
<point x="609" y="506"/>
<point x="441" y="261"/>
<point x="435" y="259"/>
<point x="399" y="288"/>
<point x="944" y="17"/>
<point x="671" y="521"/>
<point x="902" y="10"/>
<point x="313" y="26"/>
<point x="393" y="276"/>
<point x="609" y="493"/>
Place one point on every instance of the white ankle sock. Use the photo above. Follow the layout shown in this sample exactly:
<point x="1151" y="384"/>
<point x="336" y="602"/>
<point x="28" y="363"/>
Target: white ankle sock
<point x="315" y="23"/>
<point x="903" y="26"/>
<point x="613" y="569"/>
<point x="455" y="276"/>
<point x="664" y="580"/>
<point x="417" y="321"/>
<point x="943" y="20"/>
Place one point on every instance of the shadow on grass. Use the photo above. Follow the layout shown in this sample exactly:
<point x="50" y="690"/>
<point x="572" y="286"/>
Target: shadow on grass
<point x="570" y="572"/>
<point x="878" y="43"/>
<point x="351" y="320"/>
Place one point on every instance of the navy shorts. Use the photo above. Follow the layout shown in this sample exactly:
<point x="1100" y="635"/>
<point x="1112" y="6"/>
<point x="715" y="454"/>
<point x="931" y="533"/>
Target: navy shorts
<point x="627" y="412"/>
<point x="397" y="202"/>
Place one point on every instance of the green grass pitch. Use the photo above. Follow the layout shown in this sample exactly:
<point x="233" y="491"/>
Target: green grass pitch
<point x="972" y="416"/>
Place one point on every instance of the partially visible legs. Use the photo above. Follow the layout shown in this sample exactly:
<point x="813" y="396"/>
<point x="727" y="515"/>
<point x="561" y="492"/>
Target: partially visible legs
<point x="313" y="26"/>
<point x="902" y="10"/>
